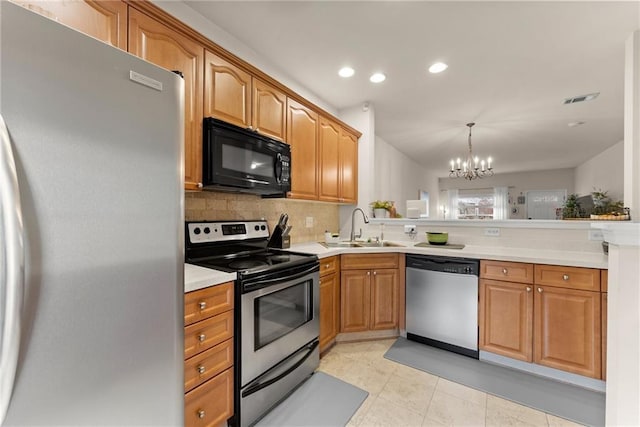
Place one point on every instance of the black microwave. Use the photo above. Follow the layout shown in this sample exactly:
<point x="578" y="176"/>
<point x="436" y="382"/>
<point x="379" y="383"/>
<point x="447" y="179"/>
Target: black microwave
<point x="241" y="160"/>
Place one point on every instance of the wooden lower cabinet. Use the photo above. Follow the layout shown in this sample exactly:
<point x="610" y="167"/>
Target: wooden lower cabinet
<point x="211" y="404"/>
<point x="208" y="366"/>
<point x="329" y="309"/>
<point x="604" y="335"/>
<point x="369" y="297"/>
<point x="567" y="330"/>
<point x="506" y="319"/>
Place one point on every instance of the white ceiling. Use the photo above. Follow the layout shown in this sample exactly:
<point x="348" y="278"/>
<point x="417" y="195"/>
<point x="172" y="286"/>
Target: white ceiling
<point x="511" y="65"/>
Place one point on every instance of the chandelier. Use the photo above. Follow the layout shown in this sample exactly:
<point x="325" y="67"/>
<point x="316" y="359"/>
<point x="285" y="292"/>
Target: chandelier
<point x="472" y="167"/>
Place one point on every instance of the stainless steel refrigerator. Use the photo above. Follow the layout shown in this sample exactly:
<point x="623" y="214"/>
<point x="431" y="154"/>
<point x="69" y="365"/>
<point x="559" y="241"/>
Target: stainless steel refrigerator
<point x="91" y="240"/>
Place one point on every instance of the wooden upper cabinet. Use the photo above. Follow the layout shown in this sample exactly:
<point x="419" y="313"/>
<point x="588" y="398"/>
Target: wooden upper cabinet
<point x="338" y="163"/>
<point x="159" y="44"/>
<point x="228" y="91"/>
<point x="329" y="139"/>
<point x="348" y="160"/>
<point x="302" y="135"/>
<point x="104" y="20"/>
<point x="269" y="110"/>
<point x="567" y="330"/>
<point x="506" y="319"/>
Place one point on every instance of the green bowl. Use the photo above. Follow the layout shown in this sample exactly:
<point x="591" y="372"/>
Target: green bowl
<point x="437" y="238"/>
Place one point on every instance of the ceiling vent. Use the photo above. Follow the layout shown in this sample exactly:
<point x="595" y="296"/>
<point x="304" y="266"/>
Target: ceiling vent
<point x="581" y="98"/>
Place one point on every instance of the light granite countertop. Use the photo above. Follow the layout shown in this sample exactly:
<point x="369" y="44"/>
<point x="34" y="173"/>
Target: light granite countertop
<point x="537" y="256"/>
<point x="196" y="277"/>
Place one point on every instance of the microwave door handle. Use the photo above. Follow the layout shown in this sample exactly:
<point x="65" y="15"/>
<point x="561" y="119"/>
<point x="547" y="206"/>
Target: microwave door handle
<point x="278" y="168"/>
<point x="261" y="383"/>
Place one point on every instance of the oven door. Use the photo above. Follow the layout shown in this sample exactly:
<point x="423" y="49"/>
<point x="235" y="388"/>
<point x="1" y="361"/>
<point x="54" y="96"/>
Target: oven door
<point x="278" y="319"/>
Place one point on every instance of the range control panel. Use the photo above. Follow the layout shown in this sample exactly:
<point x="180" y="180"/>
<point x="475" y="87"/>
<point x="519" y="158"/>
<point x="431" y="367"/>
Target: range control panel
<point x="213" y="231"/>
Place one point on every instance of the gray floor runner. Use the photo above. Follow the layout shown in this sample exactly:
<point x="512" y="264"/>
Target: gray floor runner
<point x="557" y="398"/>
<point x="322" y="400"/>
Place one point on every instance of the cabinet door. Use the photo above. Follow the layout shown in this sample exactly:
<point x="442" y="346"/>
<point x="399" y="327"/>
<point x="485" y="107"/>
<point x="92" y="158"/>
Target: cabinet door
<point x="104" y="20"/>
<point x="567" y="330"/>
<point x="355" y="300"/>
<point x="329" y="309"/>
<point x="328" y="168"/>
<point x="269" y="113"/>
<point x="384" y="299"/>
<point x="302" y="135"/>
<point x="506" y="319"/>
<point x="227" y="94"/>
<point x="157" y="43"/>
<point x="348" y="155"/>
<point x="604" y="335"/>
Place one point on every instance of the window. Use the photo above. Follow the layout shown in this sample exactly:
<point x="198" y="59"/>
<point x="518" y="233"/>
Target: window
<point x="476" y="203"/>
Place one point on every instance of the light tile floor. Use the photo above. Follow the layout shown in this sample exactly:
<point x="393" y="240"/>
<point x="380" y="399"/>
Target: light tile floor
<point x="404" y="396"/>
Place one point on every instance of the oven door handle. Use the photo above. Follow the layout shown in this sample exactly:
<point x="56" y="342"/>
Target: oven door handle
<point x="261" y="382"/>
<point x="252" y="285"/>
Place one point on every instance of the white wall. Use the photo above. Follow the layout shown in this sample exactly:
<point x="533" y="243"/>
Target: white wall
<point x="399" y="178"/>
<point x="229" y="42"/>
<point x="604" y="171"/>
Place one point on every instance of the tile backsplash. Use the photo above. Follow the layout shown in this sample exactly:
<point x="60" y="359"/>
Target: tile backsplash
<point x="209" y="206"/>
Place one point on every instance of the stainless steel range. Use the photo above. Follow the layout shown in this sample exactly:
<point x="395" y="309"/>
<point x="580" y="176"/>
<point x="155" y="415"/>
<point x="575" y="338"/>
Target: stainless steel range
<point x="277" y="311"/>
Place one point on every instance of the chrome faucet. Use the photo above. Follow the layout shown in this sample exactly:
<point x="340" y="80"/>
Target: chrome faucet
<point x="353" y="236"/>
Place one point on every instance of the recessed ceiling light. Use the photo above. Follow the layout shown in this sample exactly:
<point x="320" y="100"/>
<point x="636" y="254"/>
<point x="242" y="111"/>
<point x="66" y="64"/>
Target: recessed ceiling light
<point x="346" y="72"/>
<point x="574" y="124"/>
<point x="438" y="67"/>
<point x="377" y="78"/>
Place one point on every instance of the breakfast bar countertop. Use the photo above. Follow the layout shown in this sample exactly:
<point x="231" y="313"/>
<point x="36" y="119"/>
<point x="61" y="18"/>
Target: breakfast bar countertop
<point x="537" y="256"/>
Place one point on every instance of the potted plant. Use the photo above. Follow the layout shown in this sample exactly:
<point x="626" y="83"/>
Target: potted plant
<point x="381" y="208"/>
<point x="572" y="208"/>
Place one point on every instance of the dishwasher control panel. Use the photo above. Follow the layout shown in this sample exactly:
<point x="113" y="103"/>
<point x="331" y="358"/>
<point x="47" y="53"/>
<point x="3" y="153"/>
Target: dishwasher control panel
<point x="444" y="264"/>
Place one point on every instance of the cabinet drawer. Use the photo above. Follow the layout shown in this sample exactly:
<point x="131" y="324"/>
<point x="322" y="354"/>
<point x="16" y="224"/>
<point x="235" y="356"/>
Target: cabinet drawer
<point x="211" y="404"/>
<point x="509" y="271"/>
<point x="366" y="261"/>
<point x="329" y="265"/>
<point x="587" y="279"/>
<point x="205" y="303"/>
<point x="604" y="280"/>
<point x="208" y="364"/>
<point x="207" y="333"/>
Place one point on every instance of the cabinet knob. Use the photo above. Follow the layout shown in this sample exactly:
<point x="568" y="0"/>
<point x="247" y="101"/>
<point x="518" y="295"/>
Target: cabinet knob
<point x="565" y="277"/>
<point x="374" y="273"/>
<point x="202" y="305"/>
<point x="528" y="288"/>
<point x="368" y="273"/>
<point x="257" y="129"/>
<point x="201" y="369"/>
<point x="201" y="414"/>
<point x="540" y="290"/>
<point x="202" y="337"/>
<point x="200" y="185"/>
<point x="319" y="281"/>
<point x="249" y="127"/>
<point x="326" y="266"/>
<point x="504" y="271"/>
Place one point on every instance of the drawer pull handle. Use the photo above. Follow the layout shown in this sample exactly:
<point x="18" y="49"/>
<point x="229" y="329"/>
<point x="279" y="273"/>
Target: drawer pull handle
<point x="504" y="271"/>
<point x="201" y="414"/>
<point x="202" y="337"/>
<point x="540" y="290"/>
<point x="528" y="288"/>
<point x="202" y="305"/>
<point x="201" y="369"/>
<point x="565" y="277"/>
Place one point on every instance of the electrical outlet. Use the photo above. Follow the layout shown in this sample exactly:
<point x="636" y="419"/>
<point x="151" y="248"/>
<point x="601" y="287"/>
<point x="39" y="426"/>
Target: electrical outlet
<point x="493" y="232"/>
<point x="409" y="229"/>
<point x="308" y="222"/>
<point x="596" y="235"/>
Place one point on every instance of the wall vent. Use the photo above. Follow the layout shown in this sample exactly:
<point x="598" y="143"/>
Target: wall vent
<point x="581" y="98"/>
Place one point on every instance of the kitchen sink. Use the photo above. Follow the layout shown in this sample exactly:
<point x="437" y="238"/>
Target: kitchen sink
<point x="360" y="244"/>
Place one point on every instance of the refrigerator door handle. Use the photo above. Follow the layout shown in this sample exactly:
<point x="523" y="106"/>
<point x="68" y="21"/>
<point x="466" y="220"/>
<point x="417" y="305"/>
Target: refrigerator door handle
<point x="11" y="269"/>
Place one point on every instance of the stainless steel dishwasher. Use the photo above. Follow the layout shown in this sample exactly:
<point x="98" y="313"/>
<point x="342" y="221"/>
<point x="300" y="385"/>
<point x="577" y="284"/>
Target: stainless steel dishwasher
<point x="442" y="302"/>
